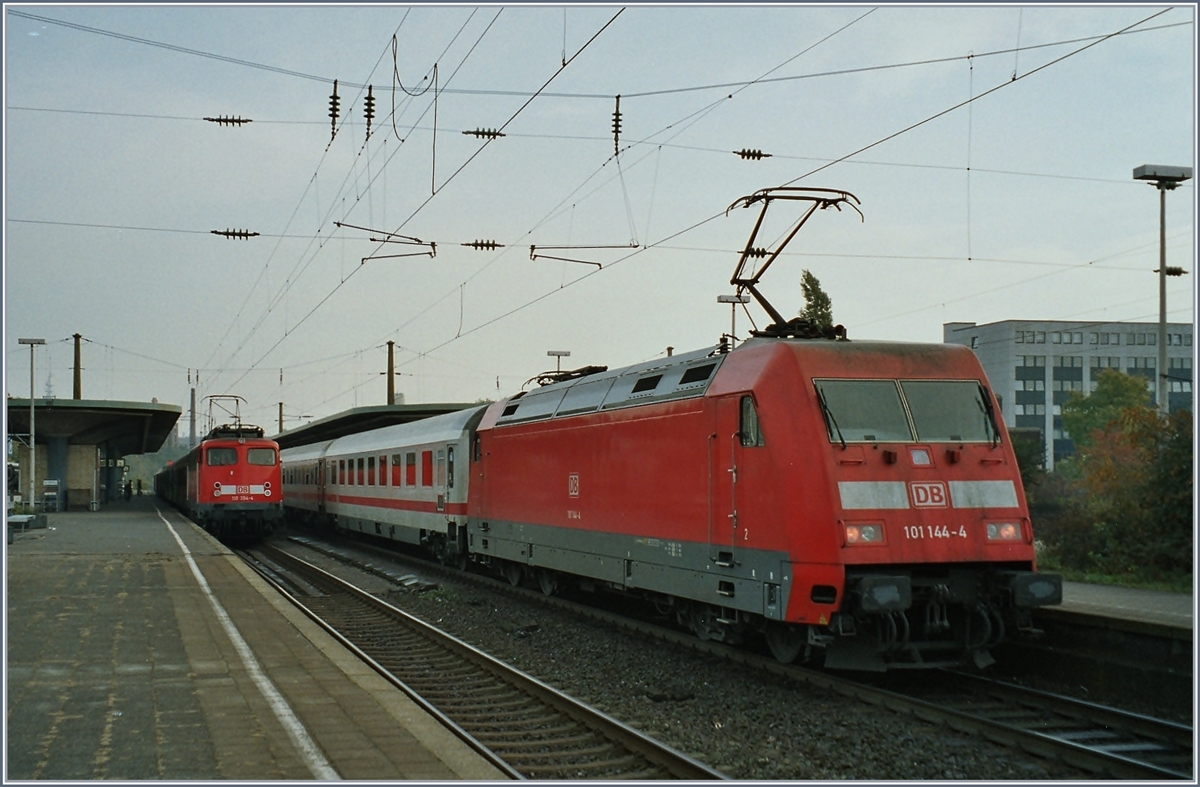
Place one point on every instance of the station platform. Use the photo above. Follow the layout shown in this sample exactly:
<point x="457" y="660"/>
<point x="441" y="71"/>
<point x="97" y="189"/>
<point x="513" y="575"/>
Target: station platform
<point x="139" y="647"/>
<point x="1171" y="610"/>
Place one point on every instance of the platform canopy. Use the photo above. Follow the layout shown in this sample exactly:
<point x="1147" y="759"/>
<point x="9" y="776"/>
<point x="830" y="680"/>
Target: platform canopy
<point x="363" y="419"/>
<point x="126" y="427"/>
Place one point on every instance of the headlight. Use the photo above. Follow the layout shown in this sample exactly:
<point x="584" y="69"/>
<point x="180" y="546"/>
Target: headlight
<point x="1003" y="531"/>
<point x="857" y="535"/>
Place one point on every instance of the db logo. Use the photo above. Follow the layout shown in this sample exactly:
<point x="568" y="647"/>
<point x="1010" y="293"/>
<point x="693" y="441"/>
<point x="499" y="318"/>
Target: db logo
<point x="573" y="485"/>
<point x="928" y="494"/>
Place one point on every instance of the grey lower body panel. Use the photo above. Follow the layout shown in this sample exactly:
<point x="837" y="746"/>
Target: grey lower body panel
<point x="753" y="581"/>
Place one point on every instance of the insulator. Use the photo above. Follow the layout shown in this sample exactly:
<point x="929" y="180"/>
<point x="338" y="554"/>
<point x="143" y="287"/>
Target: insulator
<point x="756" y="252"/>
<point x="616" y="125"/>
<point x="484" y="245"/>
<point x="369" y="109"/>
<point x="484" y="133"/>
<point x="749" y="154"/>
<point x="229" y="121"/>
<point x="333" y="110"/>
<point x="239" y="234"/>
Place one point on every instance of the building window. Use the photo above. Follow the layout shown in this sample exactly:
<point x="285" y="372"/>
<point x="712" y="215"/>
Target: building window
<point x="1093" y="338"/>
<point x="1077" y="337"/>
<point x="1056" y="337"/>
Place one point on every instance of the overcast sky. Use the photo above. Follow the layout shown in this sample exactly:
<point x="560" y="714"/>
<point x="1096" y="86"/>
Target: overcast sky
<point x="991" y="149"/>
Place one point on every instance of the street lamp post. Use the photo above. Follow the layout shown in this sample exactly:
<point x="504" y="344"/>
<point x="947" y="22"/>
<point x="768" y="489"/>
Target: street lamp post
<point x="32" y="435"/>
<point x="1164" y="179"/>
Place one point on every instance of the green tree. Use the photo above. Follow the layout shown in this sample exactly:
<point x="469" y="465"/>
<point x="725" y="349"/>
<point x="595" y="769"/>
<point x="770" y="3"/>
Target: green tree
<point x="1083" y="416"/>
<point x="1128" y="509"/>
<point x="818" y="309"/>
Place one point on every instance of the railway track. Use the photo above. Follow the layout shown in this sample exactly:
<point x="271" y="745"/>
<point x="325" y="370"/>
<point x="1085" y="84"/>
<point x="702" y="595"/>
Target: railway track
<point x="1103" y="740"/>
<point x="1096" y="739"/>
<point x="525" y="727"/>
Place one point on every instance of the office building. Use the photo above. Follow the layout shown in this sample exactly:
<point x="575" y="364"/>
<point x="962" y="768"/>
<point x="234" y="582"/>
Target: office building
<point x="1033" y="366"/>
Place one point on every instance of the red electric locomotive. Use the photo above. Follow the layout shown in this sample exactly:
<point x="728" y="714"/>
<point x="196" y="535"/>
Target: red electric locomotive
<point x="229" y="484"/>
<point x="856" y="498"/>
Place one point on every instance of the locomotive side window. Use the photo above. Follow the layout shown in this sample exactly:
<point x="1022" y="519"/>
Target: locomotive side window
<point x="863" y="411"/>
<point x="450" y="466"/>
<point x="749" y="428"/>
<point x="220" y="457"/>
<point x="948" y="410"/>
<point x="261" y="456"/>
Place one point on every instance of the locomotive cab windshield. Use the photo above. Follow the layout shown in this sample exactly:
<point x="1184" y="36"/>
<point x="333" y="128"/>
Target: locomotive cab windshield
<point x="903" y="411"/>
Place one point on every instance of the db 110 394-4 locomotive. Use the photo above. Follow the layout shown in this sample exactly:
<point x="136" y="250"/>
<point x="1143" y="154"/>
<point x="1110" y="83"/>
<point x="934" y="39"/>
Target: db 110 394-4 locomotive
<point x="858" y="502"/>
<point x="229" y="484"/>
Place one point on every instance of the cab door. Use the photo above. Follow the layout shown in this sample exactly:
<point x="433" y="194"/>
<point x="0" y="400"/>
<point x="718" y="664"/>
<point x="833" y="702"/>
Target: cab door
<point x="724" y="455"/>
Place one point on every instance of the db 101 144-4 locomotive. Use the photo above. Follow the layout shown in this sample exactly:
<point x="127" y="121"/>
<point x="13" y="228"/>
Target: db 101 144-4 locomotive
<point x="855" y="501"/>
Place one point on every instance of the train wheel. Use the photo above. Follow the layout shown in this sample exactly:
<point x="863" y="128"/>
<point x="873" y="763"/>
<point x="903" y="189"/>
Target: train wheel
<point x="786" y="641"/>
<point x="512" y="572"/>
<point x="548" y="582"/>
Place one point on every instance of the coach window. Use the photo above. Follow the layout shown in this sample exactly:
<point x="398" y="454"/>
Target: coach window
<point x="261" y="456"/>
<point x="441" y="470"/>
<point x="383" y="475"/>
<point x="370" y="470"/>
<point x="410" y="469"/>
<point x="341" y="476"/>
<point x="749" y="429"/>
<point x="396" y="459"/>
<point x="219" y="457"/>
<point x="362" y="473"/>
<point x="427" y="468"/>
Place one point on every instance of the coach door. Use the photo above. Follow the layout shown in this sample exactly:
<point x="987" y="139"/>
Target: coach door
<point x="724" y="455"/>
<point x="322" y="474"/>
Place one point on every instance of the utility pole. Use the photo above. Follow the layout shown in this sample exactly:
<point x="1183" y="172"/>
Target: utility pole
<point x="78" y="392"/>
<point x="391" y="373"/>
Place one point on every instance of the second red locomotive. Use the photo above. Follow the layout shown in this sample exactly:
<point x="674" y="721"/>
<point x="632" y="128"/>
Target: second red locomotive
<point x="229" y="484"/>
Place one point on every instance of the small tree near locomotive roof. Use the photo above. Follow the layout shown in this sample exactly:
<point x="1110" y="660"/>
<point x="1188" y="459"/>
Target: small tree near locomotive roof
<point x="818" y="309"/>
